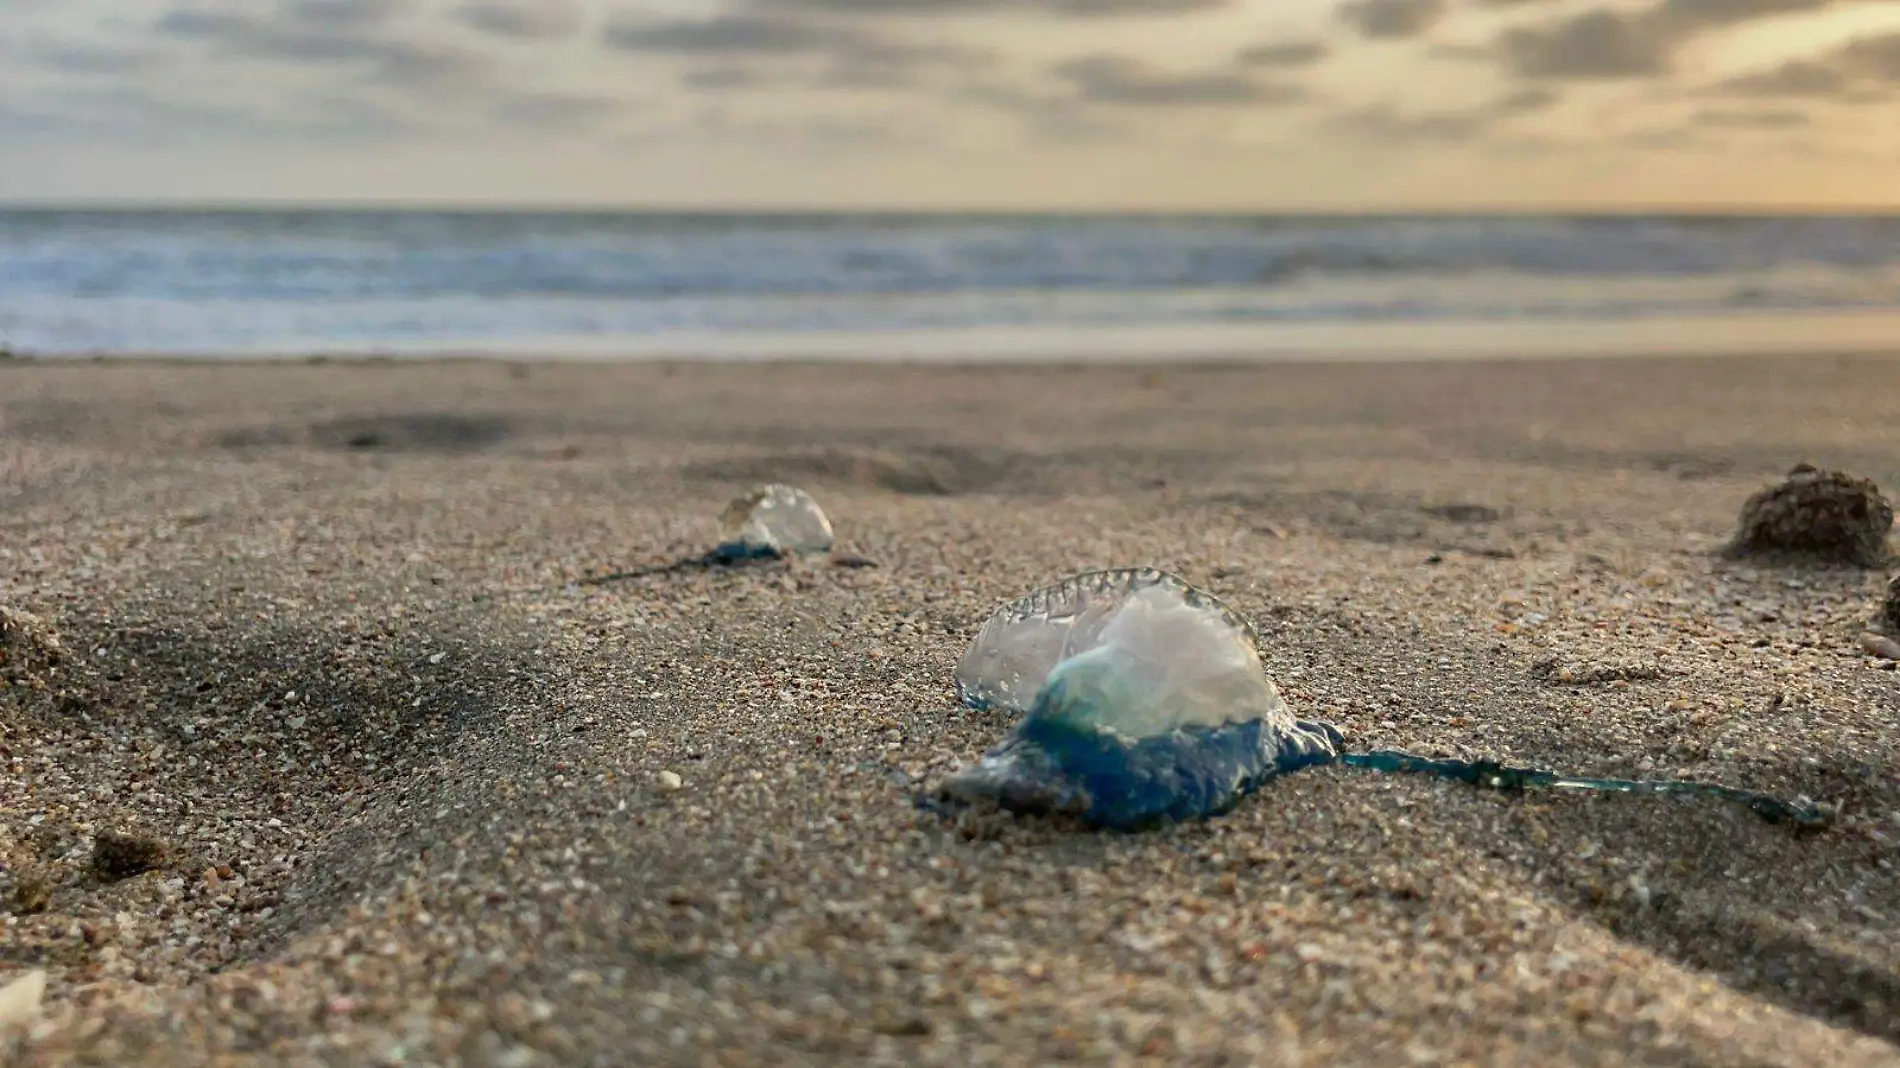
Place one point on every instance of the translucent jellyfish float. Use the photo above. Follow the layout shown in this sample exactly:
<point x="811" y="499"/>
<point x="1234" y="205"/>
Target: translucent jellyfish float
<point x="1144" y="700"/>
<point x="773" y="520"/>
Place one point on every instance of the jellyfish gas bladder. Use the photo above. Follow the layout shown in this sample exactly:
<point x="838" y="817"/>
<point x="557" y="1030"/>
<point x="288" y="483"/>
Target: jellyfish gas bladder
<point x="773" y="520"/>
<point x="1143" y="700"/>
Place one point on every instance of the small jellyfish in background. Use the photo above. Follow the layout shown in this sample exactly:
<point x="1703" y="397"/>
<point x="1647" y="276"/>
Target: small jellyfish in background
<point x="770" y="523"/>
<point x="1144" y="700"/>
<point x="773" y="520"/>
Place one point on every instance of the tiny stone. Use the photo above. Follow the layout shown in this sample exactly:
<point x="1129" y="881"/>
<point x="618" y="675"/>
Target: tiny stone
<point x="20" y="999"/>
<point x="517" y="1057"/>
<point x="670" y="782"/>
<point x="904" y="1027"/>
<point x="1465" y="513"/>
<point x="1880" y="645"/>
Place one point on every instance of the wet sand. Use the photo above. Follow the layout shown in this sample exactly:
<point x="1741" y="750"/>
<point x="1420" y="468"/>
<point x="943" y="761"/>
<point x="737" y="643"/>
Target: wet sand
<point x="321" y="638"/>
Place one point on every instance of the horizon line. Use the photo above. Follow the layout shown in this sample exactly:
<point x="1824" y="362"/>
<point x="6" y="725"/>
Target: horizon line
<point x="264" y="204"/>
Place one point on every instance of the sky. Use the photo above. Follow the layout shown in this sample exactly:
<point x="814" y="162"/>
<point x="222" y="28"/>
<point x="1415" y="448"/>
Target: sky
<point x="1011" y="104"/>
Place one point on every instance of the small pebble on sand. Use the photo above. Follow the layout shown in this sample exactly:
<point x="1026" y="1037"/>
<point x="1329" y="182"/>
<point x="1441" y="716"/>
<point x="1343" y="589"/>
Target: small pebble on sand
<point x="1880" y="645"/>
<point x="20" y="999"/>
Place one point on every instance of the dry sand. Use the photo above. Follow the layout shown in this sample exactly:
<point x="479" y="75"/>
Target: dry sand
<point x="320" y="639"/>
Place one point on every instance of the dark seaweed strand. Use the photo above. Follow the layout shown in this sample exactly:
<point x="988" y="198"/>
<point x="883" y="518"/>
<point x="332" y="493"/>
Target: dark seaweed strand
<point x="724" y="556"/>
<point x="1489" y="774"/>
<point x="689" y="563"/>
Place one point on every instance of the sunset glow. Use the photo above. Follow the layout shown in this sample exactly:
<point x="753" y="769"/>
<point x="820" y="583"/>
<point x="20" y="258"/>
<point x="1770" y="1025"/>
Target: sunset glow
<point x="1172" y="104"/>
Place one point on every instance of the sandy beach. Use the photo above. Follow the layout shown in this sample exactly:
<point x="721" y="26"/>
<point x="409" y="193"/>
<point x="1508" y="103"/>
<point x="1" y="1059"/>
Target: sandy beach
<point x="423" y="799"/>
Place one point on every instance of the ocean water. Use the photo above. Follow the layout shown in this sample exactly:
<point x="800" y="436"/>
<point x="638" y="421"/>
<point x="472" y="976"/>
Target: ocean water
<point x="300" y="282"/>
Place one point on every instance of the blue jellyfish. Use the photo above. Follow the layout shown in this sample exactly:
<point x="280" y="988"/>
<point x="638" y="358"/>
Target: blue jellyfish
<point x="1143" y="700"/>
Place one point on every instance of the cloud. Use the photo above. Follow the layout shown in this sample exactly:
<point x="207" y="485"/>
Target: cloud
<point x="1595" y="45"/>
<point x="1462" y="124"/>
<point x="1696" y="15"/>
<point x="1802" y="77"/>
<point x="527" y="20"/>
<point x="1073" y="8"/>
<point x="726" y="78"/>
<point x="731" y="34"/>
<point x="216" y="73"/>
<point x="1863" y="70"/>
<point x="1123" y="80"/>
<point x="345" y="12"/>
<point x="885" y="65"/>
<point x="129" y="115"/>
<point x="1387" y="123"/>
<point x="1286" y="54"/>
<point x="854" y="57"/>
<point x="428" y="66"/>
<point x="846" y="133"/>
<point x="1702" y="130"/>
<point x="1669" y="139"/>
<point x="563" y="111"/>
<point x="1874" y="57"/>
<point x="204" y="24"/>
<point x="23" y="123"/>
<point x="1392" y="19"/>
<point x="1521" y="101"/>
<point x="1050" y="117"/>
<point x="1610" y="43"/>
<point x="1776" y="119"/>
<point x="348" y="33"/>
<point x="100" y="60"/>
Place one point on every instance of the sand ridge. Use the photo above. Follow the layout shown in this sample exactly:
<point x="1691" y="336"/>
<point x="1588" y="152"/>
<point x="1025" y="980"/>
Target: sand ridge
<point x="323" y="640"/>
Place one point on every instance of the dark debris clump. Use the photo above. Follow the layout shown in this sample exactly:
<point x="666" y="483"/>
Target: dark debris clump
<point x="1550" y="671"/>
<point x="1828" y="517"/>
<point x="32" y="891"/>
<point x="28" y="645"/>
